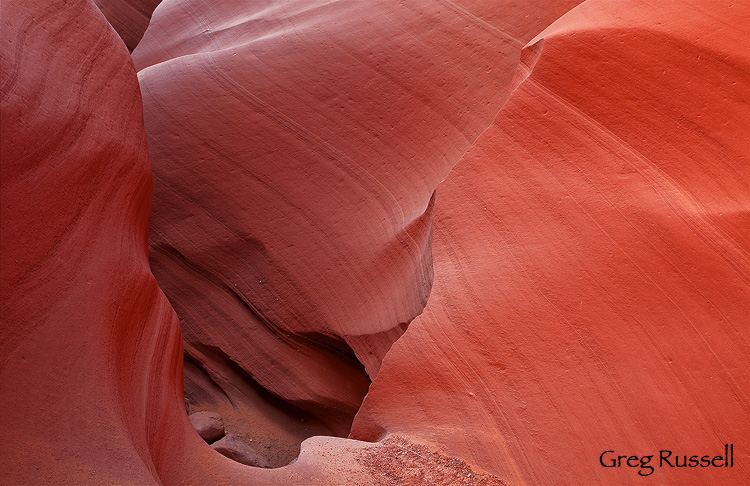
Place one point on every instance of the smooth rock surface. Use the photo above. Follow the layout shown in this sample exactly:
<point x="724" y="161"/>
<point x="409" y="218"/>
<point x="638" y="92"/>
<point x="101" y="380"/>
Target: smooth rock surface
<point x="209" y="425"/>
<point x="296" y="148"/>
<point x="591" y="257"/>
<point x="91" y="351"/>
<point x="129" y="18"/>
<point x="236" y="449"/>
<point x="590" y="247"/>
<point x="90" y="355"/>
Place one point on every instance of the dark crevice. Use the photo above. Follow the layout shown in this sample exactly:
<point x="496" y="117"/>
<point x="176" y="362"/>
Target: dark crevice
<point x="195" y="396"/>
<point x="333" y="344"/>
<point x="220" y="358"/>
<point x="216" y="381"/>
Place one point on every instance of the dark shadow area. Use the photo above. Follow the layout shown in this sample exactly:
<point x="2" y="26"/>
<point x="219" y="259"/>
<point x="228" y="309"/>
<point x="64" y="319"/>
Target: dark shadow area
<point x="269" y="425"/>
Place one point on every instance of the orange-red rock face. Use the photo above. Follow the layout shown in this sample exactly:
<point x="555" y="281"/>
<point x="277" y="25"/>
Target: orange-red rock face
<point x="90" y="350"/>
<point x="591" y="254"/>
<point x="590" y="248"/>
<point x="296" y="149"/>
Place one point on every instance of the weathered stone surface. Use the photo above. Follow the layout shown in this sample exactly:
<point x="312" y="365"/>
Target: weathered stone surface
<point x="295" y="174"/>
<point x="236" y="449"/>
<point x="592" y="260"/>
<point x="90" y="349"/>
<point x="128" y="17"/>
<point x="88" y="338"/>
<point x="209" y="425"/>
<point x="590" y="247"/>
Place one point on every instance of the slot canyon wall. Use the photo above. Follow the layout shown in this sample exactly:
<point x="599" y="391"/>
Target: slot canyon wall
<point x="293" y="233"/>
<point x="434" y="242"/>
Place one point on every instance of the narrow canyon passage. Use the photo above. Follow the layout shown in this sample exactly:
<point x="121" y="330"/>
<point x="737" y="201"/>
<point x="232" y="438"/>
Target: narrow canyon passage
<point x="293" y="255"/>
<point x="374" y="243"/>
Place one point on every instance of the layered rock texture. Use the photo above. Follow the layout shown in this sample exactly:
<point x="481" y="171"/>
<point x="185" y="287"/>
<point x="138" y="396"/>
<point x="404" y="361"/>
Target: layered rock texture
<point x="128" y="17"/>
<point x="486" y="241"/>
<point x="292" y="233"/>
<point x="90" y="367"/>
<point x="591" y="260"/>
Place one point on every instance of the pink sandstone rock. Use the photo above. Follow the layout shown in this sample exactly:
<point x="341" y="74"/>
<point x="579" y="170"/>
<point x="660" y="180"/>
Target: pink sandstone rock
<point x="91" y="355"/>
<point x="591" y="257"/>
<point x="296" y="149"/>
<point x="209" y="425"/>
<point x="234" y="448"/>
<point x="128" y="17"/>
<point x="590" y="248"/>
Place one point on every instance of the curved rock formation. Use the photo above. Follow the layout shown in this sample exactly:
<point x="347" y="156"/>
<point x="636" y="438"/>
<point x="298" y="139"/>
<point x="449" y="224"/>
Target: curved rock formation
<point x="590" y="247"/>
<point x="90" y="353"/>
<point x="591" y="256"/>
<point x="128" y="17"/>
<point x="91" y="356"/>
<point x="296" y="148"/>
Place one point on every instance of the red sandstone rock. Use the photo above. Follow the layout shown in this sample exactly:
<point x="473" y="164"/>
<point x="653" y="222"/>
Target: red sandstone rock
<point x="128" y="17"/>
<point x="591" y="256"/>
<point x="296" y="149"/>
<point x="90" y="353"/>
<point x="234" y="448"/>
<point x="209" y="425"/>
